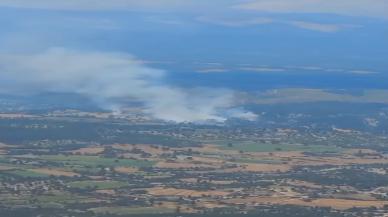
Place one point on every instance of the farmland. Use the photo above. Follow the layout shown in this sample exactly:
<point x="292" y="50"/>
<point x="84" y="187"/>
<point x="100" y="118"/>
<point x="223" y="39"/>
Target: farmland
<point x="205" y="170"/>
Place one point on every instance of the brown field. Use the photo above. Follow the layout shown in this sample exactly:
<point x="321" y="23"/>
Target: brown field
<point x="126" y="170"/>
<point x="300" y="183"/>
<point x="124" y="147"/>
<point x="174" y="206"/>
<point x="363" y="196"/>
<point x="208" y="160"/>
<point x="259" y="168"/>
<point x="157" y="176"/>
<point x="337" y="161"/>
<point x="294" y="158"/>
<point x="345" y="204"/>
<point x="5" y="168"/>
<point x="209" y="204"/>
<point x="297" y="158"/>
<point x="108" y="192"/>
<point x="194" y="180"/>
<point x="221" y="182"/>
<point x="151" y="149"/>
<point x="356" y="151"/>
<point x="208" y="149"/>
<point x="158" y="191"/>
<point x="278" y="155"/>
<point x="154" y="150"/>
<point x="89" y="151"/>
<point x="97" y="177"/>
<point x="54" y="172"/>
<point x="130" y="156"/>
<point x="182" y="165"/>
<point x="189" y="180"/>
<point x="340" y="204"/>
<point x="265" y="167"/>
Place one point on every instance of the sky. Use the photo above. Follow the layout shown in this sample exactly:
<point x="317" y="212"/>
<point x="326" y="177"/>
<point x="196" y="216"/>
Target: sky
<point x="188" y="53"/>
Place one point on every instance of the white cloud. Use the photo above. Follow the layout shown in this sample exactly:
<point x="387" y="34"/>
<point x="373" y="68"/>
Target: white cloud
<point x="335" y="70"/>
<point x="316" y="26"/>
<point x="362" y="72"/>
<point x="321" y="27"/>
<point x="235" y="22"/>
<point x="212" y="70"/>
<point x="107" y="77"/>
<point x="309" y="68"/>
<point x="375" y="8"/>
<point x="262" y="69"/>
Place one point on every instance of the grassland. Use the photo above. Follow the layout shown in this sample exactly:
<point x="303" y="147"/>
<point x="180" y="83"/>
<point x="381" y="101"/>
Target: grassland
<point x="71" y="165"/>
<point x="25" y="173"/>
<point x="133" y="210"/>
<point x="95" y="161"/>
<point x="53" y="199"/>
<point x="99" y="185"/>
<point x="248" y="146"/>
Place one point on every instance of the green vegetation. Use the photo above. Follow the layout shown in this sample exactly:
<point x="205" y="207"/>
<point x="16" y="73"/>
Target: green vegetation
<point x="57" y="199"/>
<point x="25" y="173"/>
<point x="95" y="161"/>
<point x="3" y="159"/>
<point x="133" y="210"/>
<point x="60" y="197"/>
<point x="100" y="185"/>
<point x="258" y="161"/>
<point x="258" y="147"/>
<point x="187" y="180"/>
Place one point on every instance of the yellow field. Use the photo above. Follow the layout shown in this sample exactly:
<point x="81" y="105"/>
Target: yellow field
<point x="341" y="204"/>
<point x="126" y="170"/>
<point x="54" y="172"/>
<point x="158" y="191"/>
<point x="89" y="151"/>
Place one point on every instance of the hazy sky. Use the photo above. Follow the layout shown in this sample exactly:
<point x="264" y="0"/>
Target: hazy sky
<point x="346" y="33"/>
<point x="328" y="43"/>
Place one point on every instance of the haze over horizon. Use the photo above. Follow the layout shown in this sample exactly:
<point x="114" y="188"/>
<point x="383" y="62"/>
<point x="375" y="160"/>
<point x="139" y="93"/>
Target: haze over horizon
<point x="193" y="56"/>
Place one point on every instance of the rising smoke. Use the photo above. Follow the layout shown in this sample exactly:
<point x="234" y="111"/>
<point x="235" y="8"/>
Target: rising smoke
<point x="106" y="77"/>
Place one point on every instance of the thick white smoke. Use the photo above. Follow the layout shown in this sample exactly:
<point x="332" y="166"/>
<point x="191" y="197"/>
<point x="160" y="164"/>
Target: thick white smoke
<point x="106" y="77"/>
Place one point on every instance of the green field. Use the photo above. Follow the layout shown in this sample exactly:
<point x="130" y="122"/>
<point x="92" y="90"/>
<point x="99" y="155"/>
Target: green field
<point x="24" y="173"/>
<point x="53" y="199"/>
<point x="4" y="159"/>
<point x="95" y="161"/>
<point x="258" y="147"/>
<point x="258" y="161"/>
<point x="132" y="210"/>
<point x="100" y="185"/>
<point x="60" y="197"/>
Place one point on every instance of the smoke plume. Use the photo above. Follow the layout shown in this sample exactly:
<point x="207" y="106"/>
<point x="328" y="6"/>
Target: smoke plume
<point x="105" y="77"/>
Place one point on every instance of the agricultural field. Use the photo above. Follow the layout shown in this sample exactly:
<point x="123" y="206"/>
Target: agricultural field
<point x="132" y="210"/>
<point x="251" y="146"/>
<point x="214" y="171"/>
